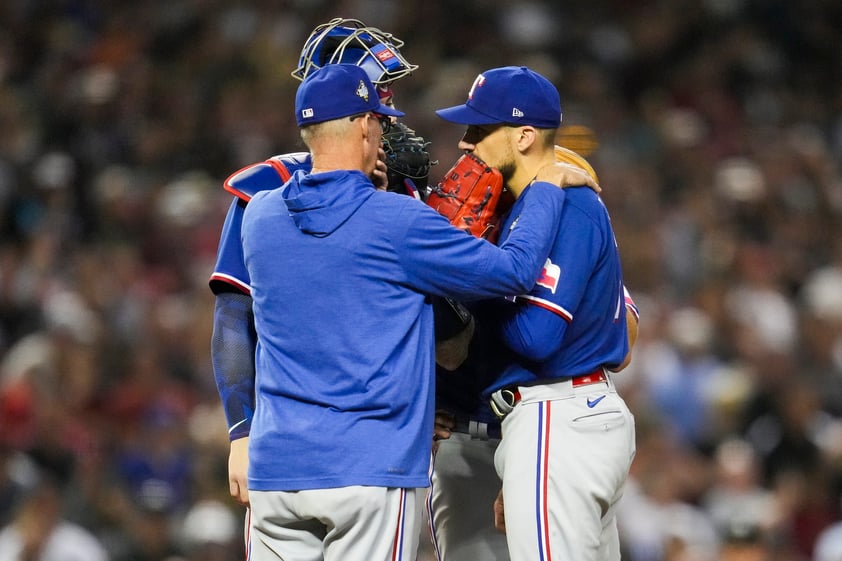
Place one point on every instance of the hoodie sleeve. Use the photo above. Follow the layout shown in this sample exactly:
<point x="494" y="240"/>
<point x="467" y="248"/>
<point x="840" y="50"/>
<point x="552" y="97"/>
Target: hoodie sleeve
<point x="443" y="260"/>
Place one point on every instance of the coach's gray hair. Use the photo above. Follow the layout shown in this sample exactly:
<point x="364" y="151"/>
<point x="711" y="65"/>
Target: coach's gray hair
<point x="336" y="128"/>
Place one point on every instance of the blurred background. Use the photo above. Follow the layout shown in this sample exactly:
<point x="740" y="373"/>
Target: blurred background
<point x="715" y="127"/>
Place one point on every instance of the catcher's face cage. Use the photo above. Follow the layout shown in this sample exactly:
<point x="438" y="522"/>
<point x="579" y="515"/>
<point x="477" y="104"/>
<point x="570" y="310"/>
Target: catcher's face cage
<point x="349" y="41"/>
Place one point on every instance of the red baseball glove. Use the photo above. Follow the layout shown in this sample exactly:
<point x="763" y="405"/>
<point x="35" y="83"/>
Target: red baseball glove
<point x="472" y="197"/>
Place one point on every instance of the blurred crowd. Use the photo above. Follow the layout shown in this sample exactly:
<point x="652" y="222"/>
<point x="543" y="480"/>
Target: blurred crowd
<point x="715" y="127"/>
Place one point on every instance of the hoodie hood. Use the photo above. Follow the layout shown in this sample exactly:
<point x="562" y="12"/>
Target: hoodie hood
<point x="320" y="203"/>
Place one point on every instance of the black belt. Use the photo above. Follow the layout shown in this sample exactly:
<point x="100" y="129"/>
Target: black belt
<point x="477" y="429"/>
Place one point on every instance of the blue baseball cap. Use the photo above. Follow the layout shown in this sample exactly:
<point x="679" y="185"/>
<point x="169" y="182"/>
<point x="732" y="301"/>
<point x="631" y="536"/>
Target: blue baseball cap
<point x="335" y="91"/>
<point x="512" y="95"/>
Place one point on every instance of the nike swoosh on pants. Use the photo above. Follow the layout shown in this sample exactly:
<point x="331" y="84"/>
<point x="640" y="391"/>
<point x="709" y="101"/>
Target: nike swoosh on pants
<point x="593" y="402"/>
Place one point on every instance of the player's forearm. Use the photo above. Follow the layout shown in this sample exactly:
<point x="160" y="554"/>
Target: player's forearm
<point x="534" y="231"/>
<point x="632" y="323"/>
<point x="441" y="260"/>
<point x="232" y="352"/>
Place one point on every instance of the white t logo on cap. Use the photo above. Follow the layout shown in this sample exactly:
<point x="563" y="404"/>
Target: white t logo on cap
<point x="516" y="112"/>
<point x="478" y="82"/>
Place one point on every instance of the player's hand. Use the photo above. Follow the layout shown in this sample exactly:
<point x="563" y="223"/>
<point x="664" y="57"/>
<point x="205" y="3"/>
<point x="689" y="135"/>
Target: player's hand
<point x="379" y="176"/>
<point x="499" y="514"/>
<point x="566" y="175"/>
<point x="444" y="425"/>
<point x="238" y="464"/>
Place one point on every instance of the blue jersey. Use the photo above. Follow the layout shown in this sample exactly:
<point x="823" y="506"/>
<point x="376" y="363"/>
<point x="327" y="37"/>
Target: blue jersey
<point x="339" y="274"/>
<point x="574" y="319"/>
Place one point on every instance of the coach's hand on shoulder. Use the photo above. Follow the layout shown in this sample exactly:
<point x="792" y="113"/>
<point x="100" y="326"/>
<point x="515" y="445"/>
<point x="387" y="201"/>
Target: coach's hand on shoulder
<point x="238" y="465"/>
<point x="566" y="175"/>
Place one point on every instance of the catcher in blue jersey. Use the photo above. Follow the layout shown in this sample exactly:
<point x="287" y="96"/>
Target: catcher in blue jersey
<point x="567" y="436"/>
<point x="404" y="167"/>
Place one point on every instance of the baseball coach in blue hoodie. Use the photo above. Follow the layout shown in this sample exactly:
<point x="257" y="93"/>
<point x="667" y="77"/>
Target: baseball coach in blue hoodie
<point x="340" y="277"/>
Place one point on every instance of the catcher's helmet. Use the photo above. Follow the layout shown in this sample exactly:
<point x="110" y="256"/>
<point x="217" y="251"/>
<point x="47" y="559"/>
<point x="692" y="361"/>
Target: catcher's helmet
<point x="350" y="41"/>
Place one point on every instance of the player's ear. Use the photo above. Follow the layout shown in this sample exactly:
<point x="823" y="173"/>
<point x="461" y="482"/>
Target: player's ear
<point x="364" y="128"/>
<point x="525" y="137"/>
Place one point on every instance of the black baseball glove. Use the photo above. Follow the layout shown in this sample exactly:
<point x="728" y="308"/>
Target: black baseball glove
<point x="407" y="160"/>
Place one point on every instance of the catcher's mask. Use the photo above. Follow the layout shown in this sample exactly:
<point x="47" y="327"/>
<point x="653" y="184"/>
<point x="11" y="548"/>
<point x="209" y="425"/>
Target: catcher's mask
<point x="350" y="41"/>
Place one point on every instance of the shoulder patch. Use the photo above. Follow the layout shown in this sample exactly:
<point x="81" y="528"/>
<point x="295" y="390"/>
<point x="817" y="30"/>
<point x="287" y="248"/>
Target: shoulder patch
<point x="267" y="175"/>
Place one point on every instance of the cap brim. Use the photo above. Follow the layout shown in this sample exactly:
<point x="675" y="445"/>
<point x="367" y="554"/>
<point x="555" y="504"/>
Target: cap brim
<point x="464" y="115"/>
<point x="386" y="110"/>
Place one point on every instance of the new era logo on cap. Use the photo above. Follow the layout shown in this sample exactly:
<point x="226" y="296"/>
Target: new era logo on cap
<point x="335" y="91"/>
<point x="512" y="95"/>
